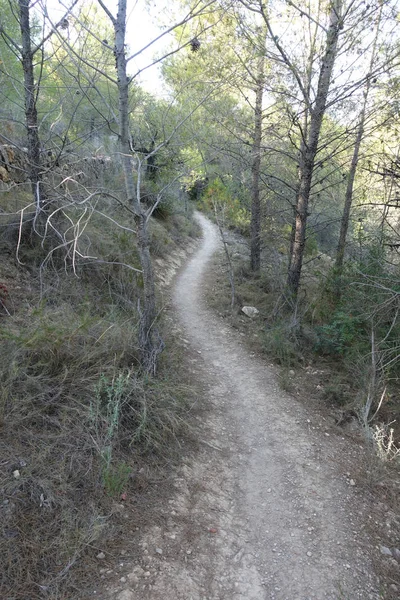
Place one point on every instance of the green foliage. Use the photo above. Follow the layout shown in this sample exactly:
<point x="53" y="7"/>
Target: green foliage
<point x="116" y="478"/>
<point x="218" y="195"/>
<point x="311" y="247"/>
<point x="369" y="293"/>
<point x="165" y="209"/>
<point x="11" y="75"/>
<point x="105" y="414"/>
<point x="340" y="335"/>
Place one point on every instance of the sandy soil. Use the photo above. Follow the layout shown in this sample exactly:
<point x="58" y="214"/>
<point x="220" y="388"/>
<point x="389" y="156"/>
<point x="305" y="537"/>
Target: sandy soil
<point x="269" y="508"/>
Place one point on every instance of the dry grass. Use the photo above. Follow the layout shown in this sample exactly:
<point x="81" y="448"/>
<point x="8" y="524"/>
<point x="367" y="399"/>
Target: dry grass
<point x="59" y="388"/>
<point x="77" y="418"/>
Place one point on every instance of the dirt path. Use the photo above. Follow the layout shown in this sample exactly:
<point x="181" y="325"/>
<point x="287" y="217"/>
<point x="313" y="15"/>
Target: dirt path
<point x="268" y="509"/>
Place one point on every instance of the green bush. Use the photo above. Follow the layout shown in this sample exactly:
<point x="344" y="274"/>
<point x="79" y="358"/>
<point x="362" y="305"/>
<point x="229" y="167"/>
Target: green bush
<point x="341" y="335"/>
<point x="228" y="207"/>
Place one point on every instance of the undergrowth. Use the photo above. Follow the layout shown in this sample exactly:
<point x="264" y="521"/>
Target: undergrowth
<point x="77" y="416"/>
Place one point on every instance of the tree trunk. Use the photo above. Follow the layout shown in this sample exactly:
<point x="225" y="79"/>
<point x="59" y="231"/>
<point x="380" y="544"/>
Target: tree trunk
<point x="308" y="156"/>
<point x="255" y="241"/>
<point x="294" y="206"/>
<point x="150" y="343"/>
<point x="31" y="118"/>
<point x="344" y="225"/>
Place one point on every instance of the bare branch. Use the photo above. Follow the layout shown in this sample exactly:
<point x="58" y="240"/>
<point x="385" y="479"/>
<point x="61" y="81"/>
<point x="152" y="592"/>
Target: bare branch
<point x="108" y="13"/>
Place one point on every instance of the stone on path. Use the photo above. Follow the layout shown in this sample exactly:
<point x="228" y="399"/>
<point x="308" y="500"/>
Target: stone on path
<point x="250" y="311"/>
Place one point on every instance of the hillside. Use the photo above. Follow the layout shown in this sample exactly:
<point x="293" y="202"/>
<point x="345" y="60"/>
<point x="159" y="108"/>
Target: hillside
<point x="280" y="124"/>
<point x="78" y="419"/>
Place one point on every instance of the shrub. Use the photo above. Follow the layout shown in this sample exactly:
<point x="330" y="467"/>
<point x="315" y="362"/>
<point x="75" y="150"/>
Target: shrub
<point x="340" y="335"/>
<point x="76" y="415"/>
<point x="282" y="345"/>
<point x="218" y="195"/>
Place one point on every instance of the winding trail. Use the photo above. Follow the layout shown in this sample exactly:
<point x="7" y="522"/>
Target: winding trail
<point x="264" y="511"/>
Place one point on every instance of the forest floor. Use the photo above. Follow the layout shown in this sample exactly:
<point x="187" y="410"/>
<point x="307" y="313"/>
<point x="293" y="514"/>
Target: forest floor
<point x="268" y="505"/>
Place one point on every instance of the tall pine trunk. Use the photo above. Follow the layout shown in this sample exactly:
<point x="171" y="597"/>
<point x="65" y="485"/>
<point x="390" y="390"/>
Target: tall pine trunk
<point x="255" y="240"/>
<point x="344" y="225"/>
<point x="308" y="155"/>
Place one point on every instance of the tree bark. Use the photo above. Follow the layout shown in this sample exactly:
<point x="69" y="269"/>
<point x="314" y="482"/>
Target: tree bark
<point x="150" y="343"/>
<point x="344" y="225"/>
<point x="255" y="240"/>
<point x="307" y="158"/>
<point x="31" y="117"/>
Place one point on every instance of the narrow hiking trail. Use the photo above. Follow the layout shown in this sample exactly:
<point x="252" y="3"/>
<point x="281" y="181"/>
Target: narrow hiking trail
<point x="265" y="509"/>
